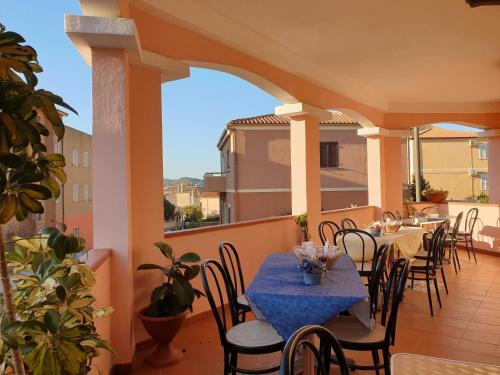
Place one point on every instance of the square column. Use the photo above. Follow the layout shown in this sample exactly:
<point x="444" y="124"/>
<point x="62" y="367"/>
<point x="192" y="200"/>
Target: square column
<point x="493" y="137"/>
<point x="385" y="168"/>
<point x="127" y="177"/>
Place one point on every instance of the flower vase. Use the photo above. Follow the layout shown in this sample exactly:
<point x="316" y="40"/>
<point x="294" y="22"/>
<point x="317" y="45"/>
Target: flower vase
<point x="313" y="278"/>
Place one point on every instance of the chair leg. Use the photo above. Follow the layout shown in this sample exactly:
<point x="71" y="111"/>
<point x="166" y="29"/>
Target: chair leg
<point x="226" y="363"/>
<point x="437" y="291"/>
<point x="429" y="293"/>
<point x="234" y="363"/>
<point x="456" y="255"/>
<point x="452" y="255"/>
<point x="472" y="248"/>
<point x="444" y="279"/>
<point x="467" y="248"/>
<point x="376" y="360"/>
<point x="412" y="278"/>
<point x="387" y="362"/>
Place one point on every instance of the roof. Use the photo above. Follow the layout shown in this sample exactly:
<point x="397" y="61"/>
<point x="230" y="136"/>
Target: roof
<point x="337" y="119"/>
<point x="436" y="132"/>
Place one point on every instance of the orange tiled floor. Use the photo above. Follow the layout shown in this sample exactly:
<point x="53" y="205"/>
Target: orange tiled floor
<point x="466" y="328"/>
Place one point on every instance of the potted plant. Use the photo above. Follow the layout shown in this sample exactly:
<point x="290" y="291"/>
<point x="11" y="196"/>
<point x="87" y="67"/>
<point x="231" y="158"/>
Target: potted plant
<point x="312" y="270"/>
<point x="170" y="303"/>
<point x="301" y="221"/>
<point x="376" y="228"/>
<point x="435" y="195"/>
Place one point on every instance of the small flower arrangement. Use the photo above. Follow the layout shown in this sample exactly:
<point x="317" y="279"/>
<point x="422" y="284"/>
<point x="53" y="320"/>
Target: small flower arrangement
<point x="312" y="266"/>
<point x="376" y="228"/>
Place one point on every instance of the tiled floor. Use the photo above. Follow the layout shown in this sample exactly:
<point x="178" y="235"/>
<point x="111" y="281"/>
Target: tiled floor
<point x="466" y="328"/>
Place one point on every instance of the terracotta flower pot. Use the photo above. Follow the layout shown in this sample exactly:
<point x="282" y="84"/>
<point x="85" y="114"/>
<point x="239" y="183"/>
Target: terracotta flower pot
<point x="163" y="330"/>
<point x="436" y="197"/>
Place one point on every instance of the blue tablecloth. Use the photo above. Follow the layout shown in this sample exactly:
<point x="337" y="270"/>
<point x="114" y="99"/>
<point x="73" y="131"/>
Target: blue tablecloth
<point x="280" y="295"/>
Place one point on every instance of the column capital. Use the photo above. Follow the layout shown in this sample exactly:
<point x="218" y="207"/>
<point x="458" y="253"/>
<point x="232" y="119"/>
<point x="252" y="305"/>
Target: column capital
<point x="376" y="132"/>
<point x="491" y="133"/>
<point x="87" y="32"/>
<point x="302" y="109"/>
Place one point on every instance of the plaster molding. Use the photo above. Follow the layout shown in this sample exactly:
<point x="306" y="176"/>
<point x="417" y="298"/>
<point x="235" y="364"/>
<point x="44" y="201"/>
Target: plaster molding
<point x="87" y="32"/>
<point x="383" y="132"/>
<point x="493" y="133"/>
<point x="302" y="109"/>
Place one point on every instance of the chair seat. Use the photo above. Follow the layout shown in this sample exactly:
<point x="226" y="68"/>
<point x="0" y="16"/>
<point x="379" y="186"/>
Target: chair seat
<point x="349" y="329"/>
<point x="422" y="254"/>
<point x="242" y="300"/>
<point x="365" y="266"/>
<point x="420" y="264"/>
<point x="253" y="334"/>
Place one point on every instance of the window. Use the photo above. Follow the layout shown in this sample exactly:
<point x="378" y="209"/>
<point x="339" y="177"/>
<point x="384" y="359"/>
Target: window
<point x="76" y="231"/>
<point x="75" y="156"/>
<point x="57" y="147"/>
<point x="227" y="160"/>
<point x="85" y="192"/>
<point x="76" y="190"/>
<point x="484" y="182"/>
<point x="85" y="159"/>
<point x="483" y="151"/>
<point x="329" y="154"/>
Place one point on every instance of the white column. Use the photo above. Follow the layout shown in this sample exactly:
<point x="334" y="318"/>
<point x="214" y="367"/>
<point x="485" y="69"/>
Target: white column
<point x="493" y="137"/>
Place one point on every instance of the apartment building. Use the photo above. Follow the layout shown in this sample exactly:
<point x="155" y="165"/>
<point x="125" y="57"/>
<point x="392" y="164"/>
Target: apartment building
<point x="74" y="205"/>
<point x="454" y="160"/>
<point x="255" y="180"/>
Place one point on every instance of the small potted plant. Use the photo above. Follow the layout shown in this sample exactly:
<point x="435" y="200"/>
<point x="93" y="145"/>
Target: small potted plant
<point x="376" y="228"/>
<point x="170" y="303"/>
<point x="435" y="195"/>
<point x="301" y="221"/>
<point x="312" y="271"/>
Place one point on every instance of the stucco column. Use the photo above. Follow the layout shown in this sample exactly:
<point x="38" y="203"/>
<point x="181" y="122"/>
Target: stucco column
<point x="127" y="176"/>
<point x="385" y="168"/>
<point x="493" y="137"/>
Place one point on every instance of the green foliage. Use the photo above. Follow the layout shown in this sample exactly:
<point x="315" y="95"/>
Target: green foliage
<point x="28" y="174"/>
<point x="168" y="209"/>
<point x="482" y="198"/>
<point x="192" y="213"/>
<point x="55" y="328"/>
<point x="176" y="294"/>
<point x="424" y="184"/>
<point x="301" y="221"/>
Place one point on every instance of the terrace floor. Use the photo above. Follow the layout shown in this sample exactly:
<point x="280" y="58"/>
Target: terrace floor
<point x="466" y="328"/>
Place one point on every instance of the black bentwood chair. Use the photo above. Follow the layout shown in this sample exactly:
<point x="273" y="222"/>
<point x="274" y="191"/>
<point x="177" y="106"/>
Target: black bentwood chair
<point x="425" y="268"/>
<point x="327" y="230"/>
<point x="354" y="335"/>
<point x="301" y="340"/>
<point x="451" y="242"/>
<point x="231" y="264"/>
<point x="376" y="279"/>
<point x="363" y="239"/>
<point x="348" y="224"/>
<point x="465" y="237"/>
<point x="253" y="338"/>
<point x="388" y="215"/>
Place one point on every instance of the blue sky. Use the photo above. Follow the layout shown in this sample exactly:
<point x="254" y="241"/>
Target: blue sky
<point x="195" y="110"/>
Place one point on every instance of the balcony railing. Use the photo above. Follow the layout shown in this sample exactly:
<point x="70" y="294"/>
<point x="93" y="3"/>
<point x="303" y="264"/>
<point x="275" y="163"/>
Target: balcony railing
<point x="215" y="182"/>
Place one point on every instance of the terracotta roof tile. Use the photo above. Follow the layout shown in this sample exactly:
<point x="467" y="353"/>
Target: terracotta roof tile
<point x="448" y="133"/>
<point x="338" y="118"/>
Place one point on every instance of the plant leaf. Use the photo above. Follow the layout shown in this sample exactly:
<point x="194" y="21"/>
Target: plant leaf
<point x="189" y="258"/>
<point x="165" y="248"/>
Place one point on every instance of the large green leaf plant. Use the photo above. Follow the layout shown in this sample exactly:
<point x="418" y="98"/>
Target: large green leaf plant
<point x="176" y="294"/>
<point x="47" y="326"/>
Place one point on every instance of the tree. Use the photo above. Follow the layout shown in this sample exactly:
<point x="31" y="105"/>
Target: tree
<point x="413" y="190"/>
<point x="168" y="209"/>
<point x="192" y="213"/>
<point x="28" y="174"/>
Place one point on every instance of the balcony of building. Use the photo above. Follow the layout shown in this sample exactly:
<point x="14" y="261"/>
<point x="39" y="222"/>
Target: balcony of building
<point x="215" y="182"/>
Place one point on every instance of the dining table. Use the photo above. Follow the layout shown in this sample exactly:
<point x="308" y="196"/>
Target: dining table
<point x="413" y="364"/>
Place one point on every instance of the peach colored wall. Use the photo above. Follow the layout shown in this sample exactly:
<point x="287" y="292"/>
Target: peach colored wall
<point x="100" y="263"/>
<point x="85" y="225"/>
<point x="334" y="200"/>
<point x="362" y="216"/>
<point x="254" y="241"/>
<point x="260" y="205"/>
<point x="493" y="169"/>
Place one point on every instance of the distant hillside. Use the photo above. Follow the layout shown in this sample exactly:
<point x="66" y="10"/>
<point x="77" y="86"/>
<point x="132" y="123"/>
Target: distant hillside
<point x="186" y="180"/>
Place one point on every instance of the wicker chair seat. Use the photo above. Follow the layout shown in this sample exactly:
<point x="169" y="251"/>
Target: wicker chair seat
<point x="243" y="301"/>
<point x="348" y="329"/>
<point x="252" y="334"/>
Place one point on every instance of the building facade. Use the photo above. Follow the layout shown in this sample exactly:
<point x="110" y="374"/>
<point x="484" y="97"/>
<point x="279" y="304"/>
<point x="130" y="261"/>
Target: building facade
<point x="255" y="176"/>
<point x="454" y="160"/>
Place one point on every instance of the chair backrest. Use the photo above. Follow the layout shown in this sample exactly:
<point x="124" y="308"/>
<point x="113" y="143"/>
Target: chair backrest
<point x="327" y="230"/>
<point x="396" y="284"/>
<point x="456" y="226"/>
<point x="359" y="238"/>
<point x="388" y="215"/>
<point x="348" y="224"/>
<point x="231" y="263"/>
<point x="219" y="295"/>
<point x="398" y="215"/>
<point x="379" y="263"/>
<point x="300" y="340"/>
<point x="471" y="219"/>
<point x="435" y="246"/>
